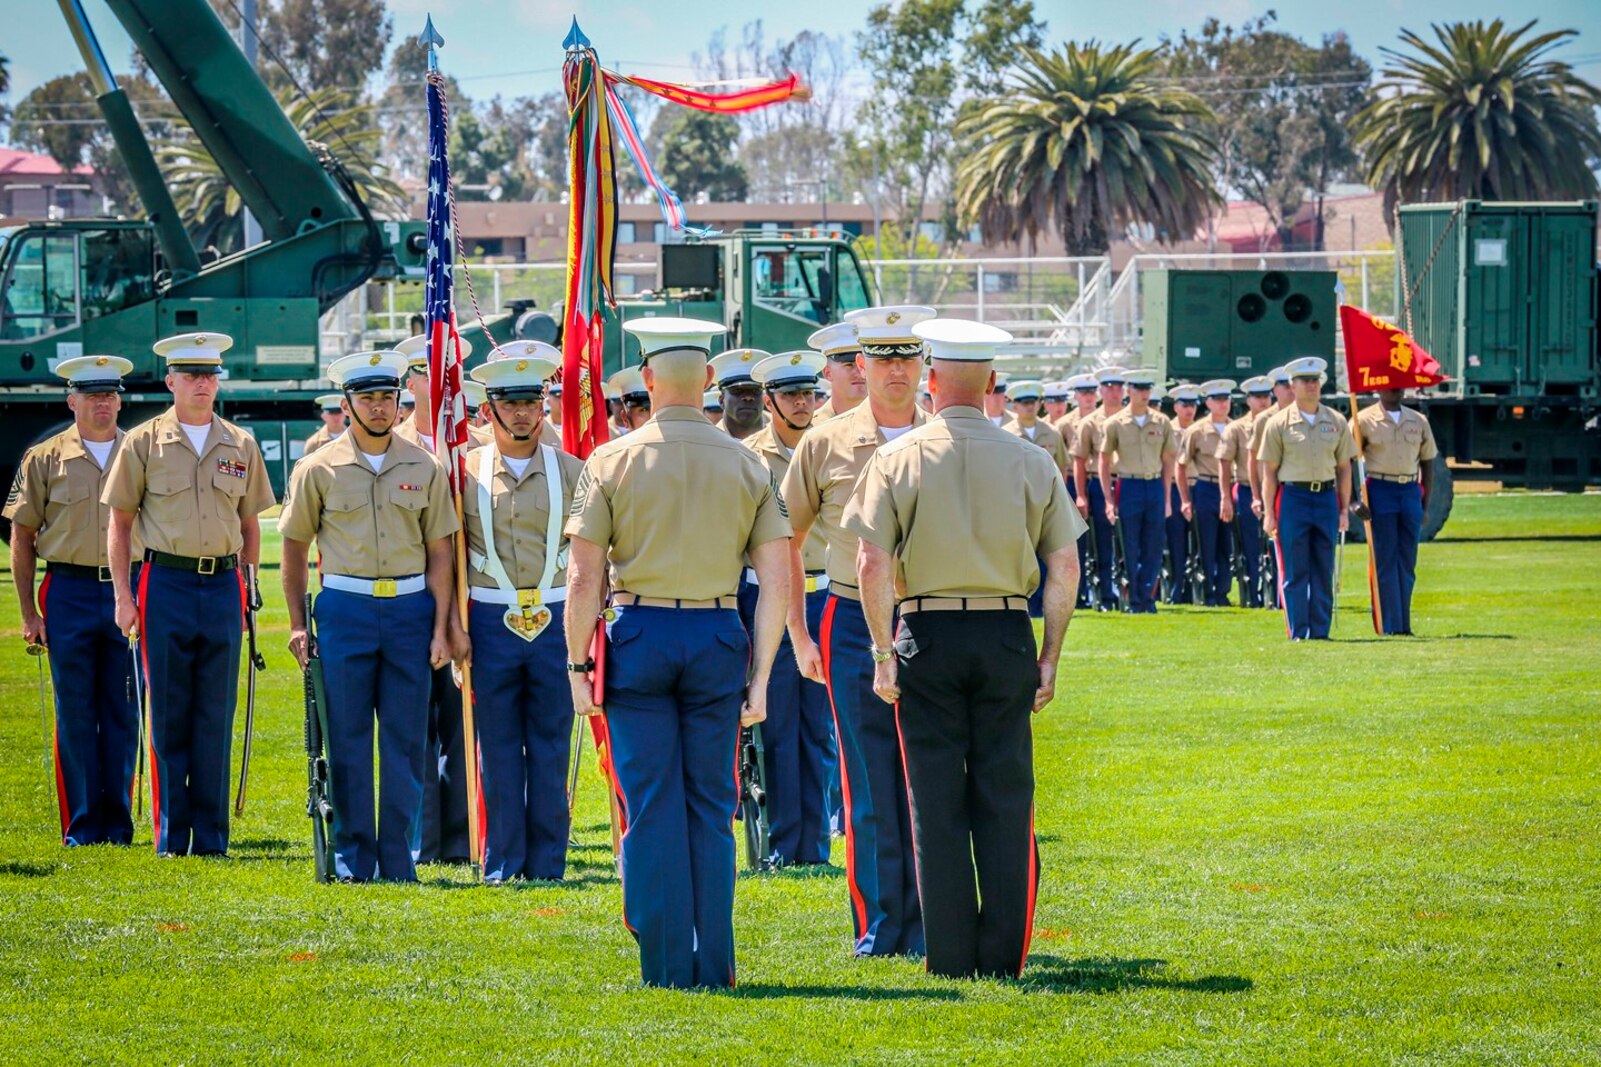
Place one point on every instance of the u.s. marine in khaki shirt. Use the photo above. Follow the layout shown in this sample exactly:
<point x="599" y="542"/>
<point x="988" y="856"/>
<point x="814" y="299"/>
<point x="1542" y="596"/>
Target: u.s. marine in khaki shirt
<point x="944" y="499"/>
<point x="819" y="481"/>
<point x="1046" y="436"/>
<point x="1198" y="450"/>
<point x="188" y="503"/>
<point x="369" y="525"/>
<point x="1138" y="451"/>
<point x="1395" y="449"/>
<point x="1090" y="432"/>
<point x="680" y="503"/>
<point x="57" y="493"/>
<point x="777" y="458"/>
<point x="520" y="508"/>
<point x="1305" y="451"/>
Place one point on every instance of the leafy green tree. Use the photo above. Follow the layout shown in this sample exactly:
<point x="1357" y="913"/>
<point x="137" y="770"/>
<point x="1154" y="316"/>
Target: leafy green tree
<point x="329" y="44"/>
<point x="1483" y="112"/>
<point x="1086" y="141"/>
<point x="1283" y="110"/>
<point x="83" y="139"/>
<point x="698" y="156"/>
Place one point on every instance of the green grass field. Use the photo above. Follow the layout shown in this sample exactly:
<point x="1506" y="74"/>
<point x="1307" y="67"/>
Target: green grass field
<point x="1253" y="851"/>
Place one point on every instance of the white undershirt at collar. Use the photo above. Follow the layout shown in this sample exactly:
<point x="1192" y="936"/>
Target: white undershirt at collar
<point x="892" y="432"/>
<point x="197" y="435"/>
<point x="516" y="466"/>
<point x="1309" y="419"/>
<point x="101" y="451"/>
<point x="1394" y="416"/>
<point x="375" y="460"/>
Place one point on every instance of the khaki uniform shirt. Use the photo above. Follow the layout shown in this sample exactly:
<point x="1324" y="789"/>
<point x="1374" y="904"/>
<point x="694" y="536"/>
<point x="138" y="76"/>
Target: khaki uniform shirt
<point x="1306" y="452"/>
<point x="679" y="503"/>
<point x="318" y="439"/>
<point x="1139" y="449"/>
<point x="548" y="435"/>
<point x="824" y="411"/>
<point x="369" y="525"/>
<point x="818" y="484"/>
<point x="1396" y="448"/>
<point x="1067" y="426"/>
<point x="57" y="492"/>
<point x="1087" y="443"/>
<point x="1235" y="444"/>
<point x="1259" y="424"/>
<point x="1046" y="437"/>
<point x="1198" y="449"/>
<point x="520" y="509"/>
<point x="187" y="504"/>
<point x="965" y="507"/>
<point x="776" y="458"/>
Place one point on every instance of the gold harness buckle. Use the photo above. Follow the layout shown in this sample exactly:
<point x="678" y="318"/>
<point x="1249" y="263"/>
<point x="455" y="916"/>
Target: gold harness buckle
<point x="206" y="565"/>
<point x="528" y="598"/>
<point x="384" y="587"/>
<point x="811" y="583"/>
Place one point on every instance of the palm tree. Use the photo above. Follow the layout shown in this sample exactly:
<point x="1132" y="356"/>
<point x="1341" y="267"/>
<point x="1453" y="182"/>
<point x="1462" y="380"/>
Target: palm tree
<point x="1483" y="114"/>
<point x="1089" y="141"/>
<point x="211" y="206"/>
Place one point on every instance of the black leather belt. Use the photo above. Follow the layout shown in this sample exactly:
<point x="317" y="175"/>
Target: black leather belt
<point x="1313" y="487"/>
<point x="197" y="564"/>
<point x="78" y="570"/>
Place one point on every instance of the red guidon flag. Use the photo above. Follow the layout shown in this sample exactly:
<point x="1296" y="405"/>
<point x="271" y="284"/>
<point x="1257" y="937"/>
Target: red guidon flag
<point x="1381" y="356"/>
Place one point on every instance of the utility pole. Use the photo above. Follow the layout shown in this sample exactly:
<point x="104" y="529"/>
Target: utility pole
<point x="249" y="42"/>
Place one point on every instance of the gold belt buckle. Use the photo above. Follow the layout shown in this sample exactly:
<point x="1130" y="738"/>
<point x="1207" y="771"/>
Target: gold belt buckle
<point x="528" y="598"/>
<point x="384" y="587"/>
<point x="1317" y="487"/>
<point x="207" y="565"/>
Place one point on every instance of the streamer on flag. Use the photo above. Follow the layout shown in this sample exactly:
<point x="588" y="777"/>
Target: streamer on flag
<point x="439" y="315"/>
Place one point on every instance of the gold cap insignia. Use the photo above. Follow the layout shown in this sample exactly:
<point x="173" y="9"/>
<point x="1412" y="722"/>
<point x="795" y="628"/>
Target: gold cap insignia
<point x="200" y="339"/>
<point x="522" y="364"/>
<point x="745" y="357"/>
<point x="893" y="317"/>
<point x="795" y="359"/>
<point x="375" y="360"/>
<point x="102" y="361"/>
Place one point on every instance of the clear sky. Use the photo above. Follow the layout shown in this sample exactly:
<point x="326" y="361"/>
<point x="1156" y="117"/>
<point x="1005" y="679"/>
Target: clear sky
<point x="512" y="47"/>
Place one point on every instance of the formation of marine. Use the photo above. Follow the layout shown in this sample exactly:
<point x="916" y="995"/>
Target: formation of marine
<point x="841" y="547"/>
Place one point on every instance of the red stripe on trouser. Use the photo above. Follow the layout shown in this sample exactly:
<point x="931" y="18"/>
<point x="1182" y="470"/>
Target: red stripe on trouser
<point x="1373" y="573"/>
<point x="244" y="601"/>
<point x="150" y="733"/>
<point x="1033" y="890"/>
<point x="911" y="808"/>
<point x="1278" y="554"/>
<point x="55" y="732"/>
<point x="858" y="902"/>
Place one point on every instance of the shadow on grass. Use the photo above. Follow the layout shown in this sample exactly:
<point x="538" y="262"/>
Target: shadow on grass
<point x="1113" y="975"/>
<point x="1515" y="538"/>
<point x="1462" y="637"/>
<point x="27" y="870"/>
<point x="768" y="991"/>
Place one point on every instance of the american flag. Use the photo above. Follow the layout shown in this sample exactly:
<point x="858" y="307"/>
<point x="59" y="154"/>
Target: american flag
<point x="439" y="314"/>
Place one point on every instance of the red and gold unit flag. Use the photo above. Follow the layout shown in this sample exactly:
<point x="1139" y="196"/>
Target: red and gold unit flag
<point x="1380" y="355"/>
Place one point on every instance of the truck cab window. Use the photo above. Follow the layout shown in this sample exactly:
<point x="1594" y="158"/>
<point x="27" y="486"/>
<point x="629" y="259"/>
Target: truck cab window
<point x="118" y="270"/>
<point x="796" y="281"/>
<point x="852" y="287"/>
<point x="40" y="291"/>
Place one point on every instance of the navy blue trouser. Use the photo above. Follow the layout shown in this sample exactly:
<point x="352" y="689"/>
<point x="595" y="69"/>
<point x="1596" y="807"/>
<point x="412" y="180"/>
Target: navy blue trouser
<point x="191" y="628"/>
<point x="796" y="739"/>
<point x="1139" y="506"/>
<point x="1397" y="524"/>
<point x="1308" y="525"/>
<point x="1105" y="580"/>
<point x="1178" y="547"/>
<point x="97" y="722"/>
<point x="1250" y="543"/>
<point x="375" y="667"/>
<point x="1084" y="576"/>
<point x="674" y="685"/>
<point x="444" y="805"/>
<point x="879" y="866"/>
<point x="1206" y="502"/>
<point x="523" y="709"/>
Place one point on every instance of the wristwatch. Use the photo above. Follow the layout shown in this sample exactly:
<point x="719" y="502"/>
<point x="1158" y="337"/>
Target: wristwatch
<point x="581" y="668"/>
<point x="882" y="655"/>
